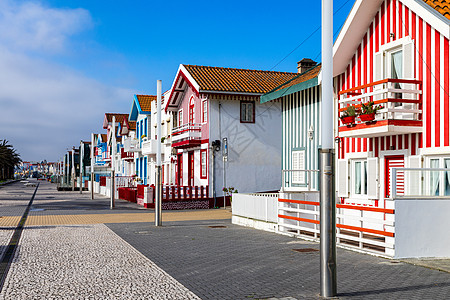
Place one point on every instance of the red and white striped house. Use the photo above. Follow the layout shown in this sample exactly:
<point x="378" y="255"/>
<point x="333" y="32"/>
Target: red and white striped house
<point x="396" y="54"/>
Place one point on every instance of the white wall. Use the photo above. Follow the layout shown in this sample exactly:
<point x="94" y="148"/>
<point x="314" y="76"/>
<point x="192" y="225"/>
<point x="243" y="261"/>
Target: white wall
<point x="254" y="150"/>
<point x="422" y="228"/>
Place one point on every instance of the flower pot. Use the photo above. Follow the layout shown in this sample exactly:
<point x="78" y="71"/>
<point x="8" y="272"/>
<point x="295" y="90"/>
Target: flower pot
<point x="367" y="117"/>
<point x="348" y="120"/>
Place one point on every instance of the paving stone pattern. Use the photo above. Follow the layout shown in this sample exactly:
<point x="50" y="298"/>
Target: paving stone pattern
<point x="242" y="263"/>
<point x="14" y="199"/>
<point x="85" y="262"/>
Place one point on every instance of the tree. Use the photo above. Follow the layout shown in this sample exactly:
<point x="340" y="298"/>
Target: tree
<point x="9" y="158"/>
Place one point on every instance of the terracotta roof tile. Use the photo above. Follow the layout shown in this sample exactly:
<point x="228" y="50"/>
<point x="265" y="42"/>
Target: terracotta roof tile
<point x="132" y="125"/>
<point x="305" y="76"/>
<point x="119" y="117"/>
<point x="237" y="80"/>
<point x="145" y="101"/>
<point x="441" y="6"/>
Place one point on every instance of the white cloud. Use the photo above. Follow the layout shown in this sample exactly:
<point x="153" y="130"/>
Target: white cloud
<point x="31" y="26"/>
<point x="46" y="107"/>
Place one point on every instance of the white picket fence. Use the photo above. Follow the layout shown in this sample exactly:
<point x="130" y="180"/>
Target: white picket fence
<point x="255" y="210"/>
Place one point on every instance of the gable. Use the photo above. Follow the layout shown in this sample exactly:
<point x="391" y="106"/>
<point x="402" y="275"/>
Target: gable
<point x="362" y="14"/>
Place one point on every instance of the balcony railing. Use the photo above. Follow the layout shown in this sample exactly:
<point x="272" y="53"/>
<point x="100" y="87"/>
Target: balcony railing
<point x="131" y="145"/>
<point x="401" y="108"/>
<point x="126" y="155"/>
<point x="149" y="147"/>
<point x="187" y="135"/>
<point x="420" y="183"/>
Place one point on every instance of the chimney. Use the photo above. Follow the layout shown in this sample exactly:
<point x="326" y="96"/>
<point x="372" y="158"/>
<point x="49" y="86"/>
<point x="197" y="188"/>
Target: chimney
<point x="305" y="64"/>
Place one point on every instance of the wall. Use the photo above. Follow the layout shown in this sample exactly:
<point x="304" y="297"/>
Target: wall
<point x="421" y="228"/>
<point x="254" y="154"/>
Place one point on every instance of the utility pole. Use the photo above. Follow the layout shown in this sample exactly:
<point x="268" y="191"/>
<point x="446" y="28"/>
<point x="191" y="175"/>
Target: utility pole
<point x="73" y="169"/>
<point x="328" y="281"/>
<point x="81" y="166"/>
<point x="113" y="162"/>
<point x="92" y="166"/>
<point x="158" y="183"/>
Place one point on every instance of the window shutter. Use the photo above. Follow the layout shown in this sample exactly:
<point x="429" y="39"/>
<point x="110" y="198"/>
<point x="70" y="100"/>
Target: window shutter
<point x="379" y="66"/>
<point x="413" y="179"/>
<point x="342" y="180"/>
<point x="372" y="178"/>
<point x="295" y="175"/>
<point x="301" y="166"/>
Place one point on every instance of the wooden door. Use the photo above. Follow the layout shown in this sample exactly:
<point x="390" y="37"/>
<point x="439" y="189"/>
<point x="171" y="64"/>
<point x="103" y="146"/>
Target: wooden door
<point x="394" y="162"/>
<point x="180" y="169"/>
<point x="191" y="111"/>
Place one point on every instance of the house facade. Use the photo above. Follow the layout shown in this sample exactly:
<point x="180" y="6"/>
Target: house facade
<point x="210" y="104"/>
<point x="394" y="53"/>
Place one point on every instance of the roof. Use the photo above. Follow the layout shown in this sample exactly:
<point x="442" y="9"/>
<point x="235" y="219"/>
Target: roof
<point x="441" y="6"/>
<point x="237" y="80"/>
<point x="145" y="101"/>
<point x="298" y="83"/>
<point x="109" y="117"/>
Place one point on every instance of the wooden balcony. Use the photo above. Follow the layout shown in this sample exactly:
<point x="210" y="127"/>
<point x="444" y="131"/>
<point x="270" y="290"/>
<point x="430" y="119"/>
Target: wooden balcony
<point x="186" y="136"/>
<point x="400" y="113"/>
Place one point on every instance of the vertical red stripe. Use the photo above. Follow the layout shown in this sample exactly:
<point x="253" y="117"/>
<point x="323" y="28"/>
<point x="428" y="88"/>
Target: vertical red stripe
<point x="376" y="146"/>
<point x="353" y="72"/>
<point x="413" y="144"/>
<point x="372" y="52"/>
<point x="352" y="141"/>
<point x="446" y="93"/>
<point x="406" y="141"/>
<point x="393" y="12"/>
<point x="428" y="85"/>
<point x="400" y="20"/>
<point x="394" y="142"/>
<point x="413" y="36"/>
<point x="387" y="145"/>
<point x="388" y="21"/>
<point x="382" y="19"/>
<point x="437" y="89"/>
<point x="400" y="142"/>
<point x="366" y="49"/>
<point x="377" y="35"/>
<point x="382" y="143"/>
<point x="347" y="145"/>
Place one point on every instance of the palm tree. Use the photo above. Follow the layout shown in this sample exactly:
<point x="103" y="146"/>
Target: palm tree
<point x="9" y="158"/>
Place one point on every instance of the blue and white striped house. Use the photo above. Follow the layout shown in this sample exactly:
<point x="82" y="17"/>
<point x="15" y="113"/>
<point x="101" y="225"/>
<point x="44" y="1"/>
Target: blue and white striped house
<point x="300" y="98"/>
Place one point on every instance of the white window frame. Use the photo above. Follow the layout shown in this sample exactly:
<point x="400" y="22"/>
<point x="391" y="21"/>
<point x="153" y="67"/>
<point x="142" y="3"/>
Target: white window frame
<point x="180" y="117"/>
<point x="298" y="178"/>
<point x="364" y="179"/>
<point x="441" y="165"/>
<point x="204" y="111"/>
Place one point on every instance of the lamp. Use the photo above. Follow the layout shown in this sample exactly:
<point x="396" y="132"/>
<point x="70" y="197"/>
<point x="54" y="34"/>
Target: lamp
<point x="311" y="132"/>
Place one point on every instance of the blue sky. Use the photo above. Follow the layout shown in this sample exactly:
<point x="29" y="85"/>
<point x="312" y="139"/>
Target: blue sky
<point x="63" y="64"/>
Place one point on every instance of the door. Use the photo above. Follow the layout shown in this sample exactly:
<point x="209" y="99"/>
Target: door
<point x="394" y="162"/>
<point x="191" y="168"/>
<point x="145" y="170"/>
<point x="179" y="169"/>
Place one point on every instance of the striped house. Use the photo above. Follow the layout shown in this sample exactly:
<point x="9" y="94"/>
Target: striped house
<point x="300" y="102"/>
<point x="395" y="54"/>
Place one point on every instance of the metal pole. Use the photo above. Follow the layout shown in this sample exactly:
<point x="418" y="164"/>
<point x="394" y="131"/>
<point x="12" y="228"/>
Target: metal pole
<point x="224" y="183"/>
<point x="113" y="187"/>
<point x="92" y="166"/>
<point x="328" y="282"/>
<point x="158" y="183"/>
<point x="213" y="180"/>
<point x="73" y="169"/>
<point x="81" y="166"/>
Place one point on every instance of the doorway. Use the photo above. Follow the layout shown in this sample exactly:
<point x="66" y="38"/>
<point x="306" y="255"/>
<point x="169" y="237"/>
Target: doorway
<point x="397" y="161"/>
<point x="191" y="168"/>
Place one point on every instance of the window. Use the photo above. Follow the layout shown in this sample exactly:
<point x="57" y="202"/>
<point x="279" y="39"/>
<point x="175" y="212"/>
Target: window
<point x="205" y="111"/>
<point x="175" y="119"/>
<point x="191" y="110"/>
<point x="204" y="163"/>
<point x="360" y="177"/>
<point x="180" y="117"/>
<point x="298" y="163"/>
<point x="439" y="181"/>
<point x="247" y="112"/>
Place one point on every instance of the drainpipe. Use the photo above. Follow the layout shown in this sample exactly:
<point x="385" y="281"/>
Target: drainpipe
<point x="328" y="282"/>
<point x="81" y="166"/>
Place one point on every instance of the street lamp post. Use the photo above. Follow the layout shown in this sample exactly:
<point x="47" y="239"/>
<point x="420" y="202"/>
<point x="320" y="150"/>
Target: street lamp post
<point x="328" y="286"/>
